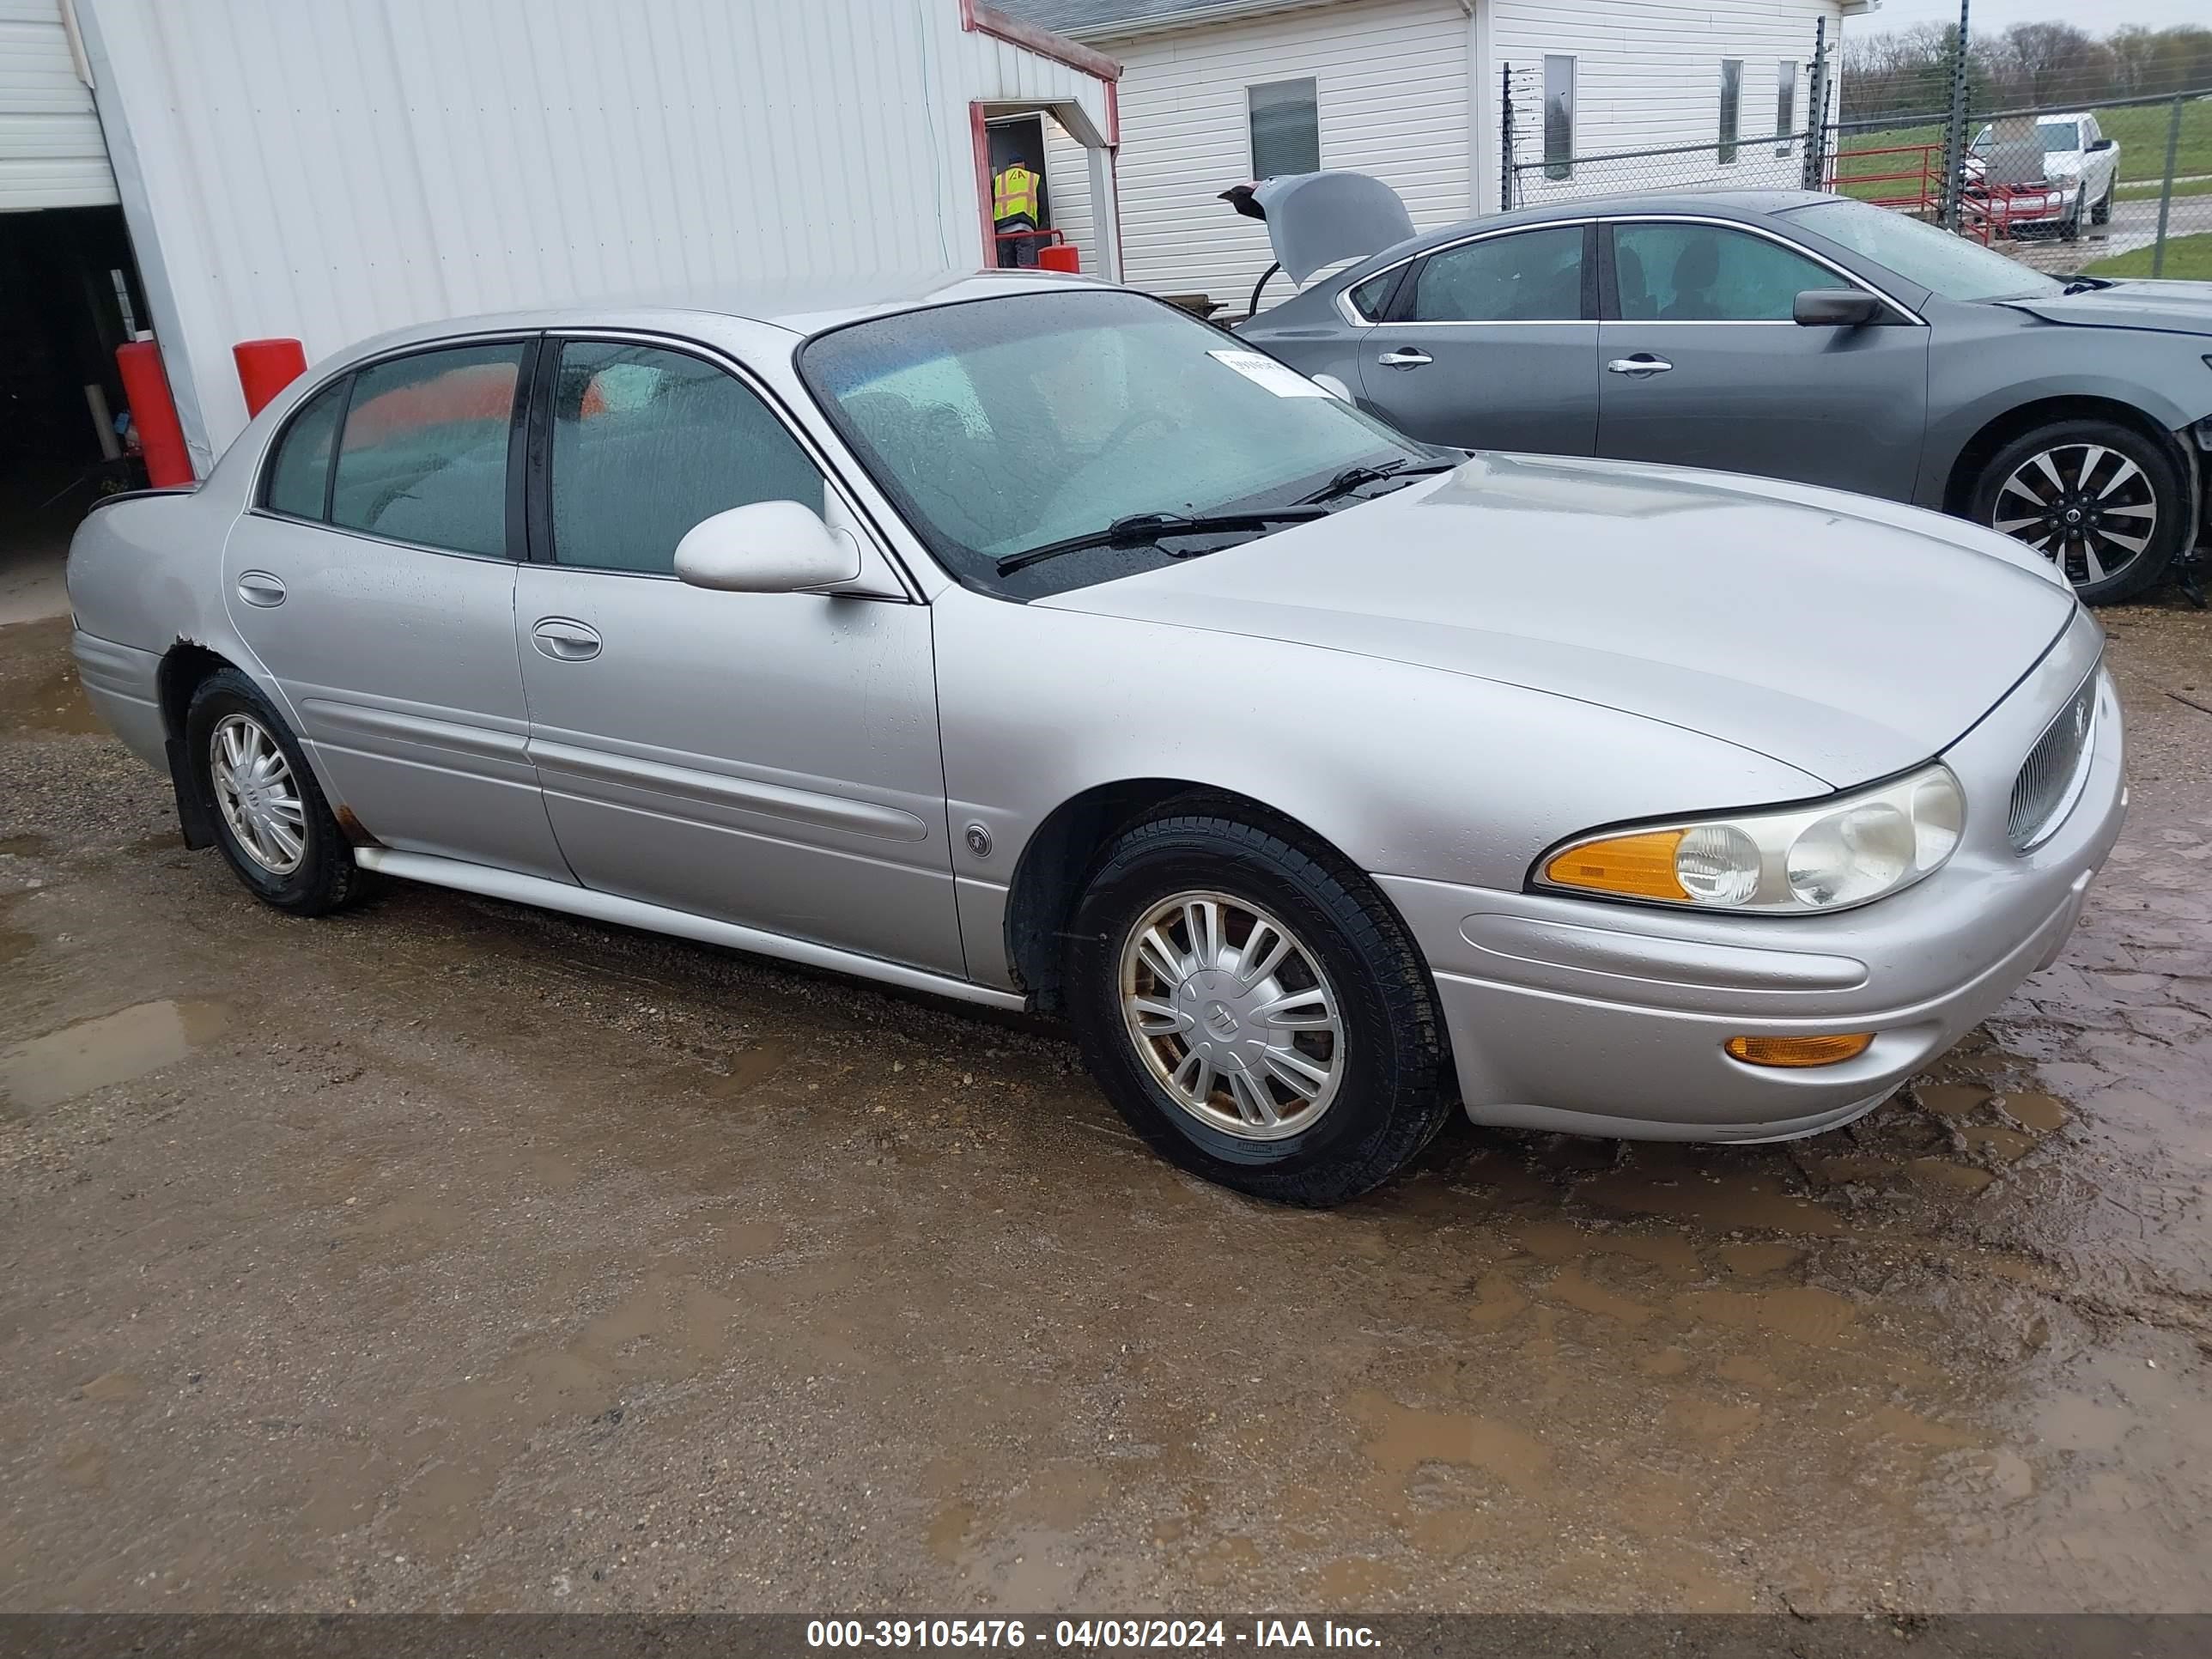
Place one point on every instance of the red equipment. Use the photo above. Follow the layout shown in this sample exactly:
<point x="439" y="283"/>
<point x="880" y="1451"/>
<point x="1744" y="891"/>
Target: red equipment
<point x="265" y="368"/>
<point x="154" y="413"/>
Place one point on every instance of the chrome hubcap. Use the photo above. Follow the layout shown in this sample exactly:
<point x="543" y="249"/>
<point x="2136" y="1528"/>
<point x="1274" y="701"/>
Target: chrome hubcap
<point x="255" y="793"/>
<point x="1233" y="1015"/>
<point x="2088" y="509"/>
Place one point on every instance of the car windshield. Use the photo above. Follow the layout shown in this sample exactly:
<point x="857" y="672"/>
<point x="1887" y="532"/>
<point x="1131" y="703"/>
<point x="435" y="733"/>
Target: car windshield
<point x="1945" y="264"/>
<point x="1004" y="425"/>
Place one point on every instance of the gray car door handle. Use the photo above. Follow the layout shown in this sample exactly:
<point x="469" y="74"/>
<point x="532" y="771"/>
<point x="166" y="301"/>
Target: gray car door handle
<point x="1405" y="357"/>
<point x="260" y="587"/>
<point x="1642" y="366"/>
<point x="565" y="641"/>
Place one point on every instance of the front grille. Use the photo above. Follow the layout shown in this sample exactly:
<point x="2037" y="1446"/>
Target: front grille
<point x="2051" y="780"/>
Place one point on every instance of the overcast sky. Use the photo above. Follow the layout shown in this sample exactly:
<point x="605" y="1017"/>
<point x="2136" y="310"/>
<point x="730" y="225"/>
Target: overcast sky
<point x="2097" y="17"/>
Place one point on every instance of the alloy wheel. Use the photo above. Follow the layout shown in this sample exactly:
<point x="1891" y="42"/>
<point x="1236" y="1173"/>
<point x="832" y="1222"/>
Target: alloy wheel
<point x="1233" y="1015"/>
<point x="2087" y="508"/>
<point x="255" y="792"/>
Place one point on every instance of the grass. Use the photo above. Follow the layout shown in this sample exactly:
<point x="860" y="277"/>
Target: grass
<point x="2139" y="128"/>
<point x="2187" y="258"/>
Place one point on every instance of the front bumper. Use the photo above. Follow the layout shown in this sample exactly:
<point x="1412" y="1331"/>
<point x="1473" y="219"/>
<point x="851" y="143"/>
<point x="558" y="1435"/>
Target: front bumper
<point x="1600" y="1018"/>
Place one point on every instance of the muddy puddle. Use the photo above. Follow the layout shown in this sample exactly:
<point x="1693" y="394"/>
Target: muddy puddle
<point x="54" y="702"/>
<point x="116" y="1047"/>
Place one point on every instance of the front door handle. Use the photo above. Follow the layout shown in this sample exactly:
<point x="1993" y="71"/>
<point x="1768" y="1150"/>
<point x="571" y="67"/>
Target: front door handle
<point x="1642" y="367"/>
<point x="260" y="587"/>
<point x="1405" y="357"/>
<point x="565" y="641"/>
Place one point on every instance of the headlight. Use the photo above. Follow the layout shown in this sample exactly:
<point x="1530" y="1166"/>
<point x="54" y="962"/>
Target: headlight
<point x="1840" y="853"/>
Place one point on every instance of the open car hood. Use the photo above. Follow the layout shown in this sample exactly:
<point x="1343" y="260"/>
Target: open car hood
<point x="1319" y="219"/>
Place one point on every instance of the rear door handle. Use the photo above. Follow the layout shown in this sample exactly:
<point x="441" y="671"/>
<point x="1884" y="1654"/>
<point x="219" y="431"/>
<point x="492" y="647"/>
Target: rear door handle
<point x="260" y="587"/>
<point x="565" y="641"/>
<point x="1405" y="357"/>
<point x="1642" y="367"/>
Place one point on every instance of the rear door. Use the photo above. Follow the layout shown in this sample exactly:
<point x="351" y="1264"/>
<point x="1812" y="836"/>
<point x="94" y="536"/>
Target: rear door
<point x="1705" y="366"/>
<point x="373" y="579"/>
<point x="1493" y="343"/>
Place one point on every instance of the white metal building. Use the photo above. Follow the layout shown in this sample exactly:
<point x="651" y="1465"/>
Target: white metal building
<point x="326" y="169"/>
<point x="1217" y="92"/>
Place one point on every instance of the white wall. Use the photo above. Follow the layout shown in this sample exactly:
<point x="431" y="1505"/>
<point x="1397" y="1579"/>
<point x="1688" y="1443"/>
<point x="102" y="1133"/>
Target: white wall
<point x="1068" y="187"/>
<point x="332" y="169"/>
<point x="1648" y="75"/>
<point x="51" y="151"/>
<point x="1393" y="101"/>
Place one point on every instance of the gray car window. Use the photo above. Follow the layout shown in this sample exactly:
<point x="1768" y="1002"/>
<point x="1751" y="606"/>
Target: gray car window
<point x="424" y="455"/>
<point x="301" y="475"/>
<point x="1530" y="276"/>
<point x="647" y="442"/>
<point x="1696" y="273"/>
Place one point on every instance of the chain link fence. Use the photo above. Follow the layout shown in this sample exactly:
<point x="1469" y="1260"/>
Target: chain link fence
<point x="2097" y="185"/>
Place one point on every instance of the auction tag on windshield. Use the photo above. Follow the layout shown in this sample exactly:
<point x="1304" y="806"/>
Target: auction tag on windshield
<point x="1265" y="371"/>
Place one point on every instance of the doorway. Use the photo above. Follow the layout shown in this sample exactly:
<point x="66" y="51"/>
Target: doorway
<point x="1020" y="138"/>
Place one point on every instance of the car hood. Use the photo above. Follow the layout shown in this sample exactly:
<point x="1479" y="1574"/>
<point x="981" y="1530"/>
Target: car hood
<point x="1847" y="638"/>
<point x="2175" y="307"/>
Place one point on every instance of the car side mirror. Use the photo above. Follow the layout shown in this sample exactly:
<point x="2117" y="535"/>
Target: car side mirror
<point x="1835" y="307"/>
<point x="767" y="547"/>
<point x="2102" y="143"/>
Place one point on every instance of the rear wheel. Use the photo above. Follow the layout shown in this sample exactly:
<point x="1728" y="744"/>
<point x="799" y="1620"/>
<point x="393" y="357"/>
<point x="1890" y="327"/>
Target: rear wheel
<point x="2103" y="502"/>
<point x="1256" y="1010"/>
<point x="270" y="818"/>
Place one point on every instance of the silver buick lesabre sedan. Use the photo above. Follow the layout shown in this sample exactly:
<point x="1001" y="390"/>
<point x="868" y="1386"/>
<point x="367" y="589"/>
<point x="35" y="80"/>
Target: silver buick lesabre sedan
<point x="1025" y="641"/>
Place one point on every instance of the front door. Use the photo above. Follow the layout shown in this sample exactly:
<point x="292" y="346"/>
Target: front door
<point x="371" y="580"/>
<point x="768" y="759"/>
<point x="1705" y="366"/>
<point x="1493" y="344"/>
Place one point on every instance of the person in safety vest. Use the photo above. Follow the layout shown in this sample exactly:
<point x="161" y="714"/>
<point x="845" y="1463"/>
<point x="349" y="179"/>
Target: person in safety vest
<point x="1014" y="207"/>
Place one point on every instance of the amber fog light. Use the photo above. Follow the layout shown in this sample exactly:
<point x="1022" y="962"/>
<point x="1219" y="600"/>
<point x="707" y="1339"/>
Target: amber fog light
<point x="1799" y="1050"/>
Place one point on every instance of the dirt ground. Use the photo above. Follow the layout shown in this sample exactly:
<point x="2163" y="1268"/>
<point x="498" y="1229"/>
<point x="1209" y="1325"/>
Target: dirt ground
<point x="447" y="1255"/>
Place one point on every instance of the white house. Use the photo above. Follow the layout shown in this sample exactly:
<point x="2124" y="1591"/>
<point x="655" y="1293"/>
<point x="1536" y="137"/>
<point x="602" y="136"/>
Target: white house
<point x="1216" y="92"/>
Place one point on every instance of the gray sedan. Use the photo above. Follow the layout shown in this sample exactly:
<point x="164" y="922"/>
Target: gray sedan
<point x="1026" y="641"/>
<point x="1797" y="335"/>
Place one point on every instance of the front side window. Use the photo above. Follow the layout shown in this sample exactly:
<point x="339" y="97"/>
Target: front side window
<point x="1002" y="425"/>
<point x="1559" y="117"/>
<point x="2059" y="137"/>
<point x="1529" y="277"/>
<point x="1731" y="107"/>
<point x="424" y="455"/>
<point x="1688" y="273"/>
<point x="1285" y="120"/>
<point x="299" y="477"/>
<point x="648" y="442"/>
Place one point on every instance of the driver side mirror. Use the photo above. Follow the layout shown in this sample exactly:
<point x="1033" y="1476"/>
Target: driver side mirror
<point x="2102" y="143"/>
<point x="767" y="547"/>
<point x="1835" y="307"/>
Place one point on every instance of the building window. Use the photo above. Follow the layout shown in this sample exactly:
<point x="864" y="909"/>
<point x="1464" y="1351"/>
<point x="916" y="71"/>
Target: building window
<point x="1285" y="120"/>
<point x="1785" y="105"/>
<point x="1731" y="106"/>
<point x="1559" y="117"/>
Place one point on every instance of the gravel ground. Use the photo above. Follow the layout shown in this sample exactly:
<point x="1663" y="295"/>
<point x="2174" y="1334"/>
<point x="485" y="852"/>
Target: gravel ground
<point x="451" y="1255"/>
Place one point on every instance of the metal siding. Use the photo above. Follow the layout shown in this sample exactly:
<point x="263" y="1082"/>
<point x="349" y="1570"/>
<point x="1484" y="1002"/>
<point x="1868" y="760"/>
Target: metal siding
<point x="1067" y="182"/>
<point x="333" y="170"/>
<point x="1393" y="98"/>
<point x="51" y="154"/>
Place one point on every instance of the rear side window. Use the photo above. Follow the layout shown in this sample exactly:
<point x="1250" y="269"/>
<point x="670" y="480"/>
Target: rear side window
<point x="1368" y="298"/>
<point x="1530" y="276"/>
<point x="647" y="443"/>
<point x="299" y="478"/>
<point x="424" y="455"/>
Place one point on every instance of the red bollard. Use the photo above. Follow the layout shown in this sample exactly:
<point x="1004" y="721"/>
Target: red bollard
<point x="1060" y="256"/>
<point x="154" y="413"/>
<point x="265" y="368"/>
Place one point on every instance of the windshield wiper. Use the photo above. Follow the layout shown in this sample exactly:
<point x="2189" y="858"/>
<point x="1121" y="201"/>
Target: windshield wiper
<point x="1354" y="476"/>
<point x="1137" y="529"/>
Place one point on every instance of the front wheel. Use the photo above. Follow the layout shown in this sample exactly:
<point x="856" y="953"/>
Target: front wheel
<point x="2102" y="213"/>
<point x="1256" y="1010"/>
<point x="2107" y="504"/>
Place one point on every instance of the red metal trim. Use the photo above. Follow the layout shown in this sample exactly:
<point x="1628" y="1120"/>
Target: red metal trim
<point x="977" y="17"/>
<point x="979" y="135"/>
<point x="1113" y="115"/>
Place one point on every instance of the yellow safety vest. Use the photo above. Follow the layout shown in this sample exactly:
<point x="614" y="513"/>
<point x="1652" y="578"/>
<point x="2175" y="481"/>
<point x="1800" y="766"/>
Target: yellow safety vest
<point x="1014" y="195"/>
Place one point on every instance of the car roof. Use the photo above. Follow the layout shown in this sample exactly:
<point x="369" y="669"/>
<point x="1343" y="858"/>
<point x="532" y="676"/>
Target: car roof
<point x="800" y="309"/>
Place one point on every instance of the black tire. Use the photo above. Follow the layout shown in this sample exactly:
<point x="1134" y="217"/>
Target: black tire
<point x="326" y="876"/>
<point x="1391" y="1098"/>
<point x="2070" y="230"/>
<point x="2102" y="213"/>
<point x="2167" y="489"/>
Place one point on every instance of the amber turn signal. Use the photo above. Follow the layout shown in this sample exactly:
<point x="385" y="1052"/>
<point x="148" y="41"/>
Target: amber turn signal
<point x="1635" y="866"/>
<point x="1799" y="1050"/>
